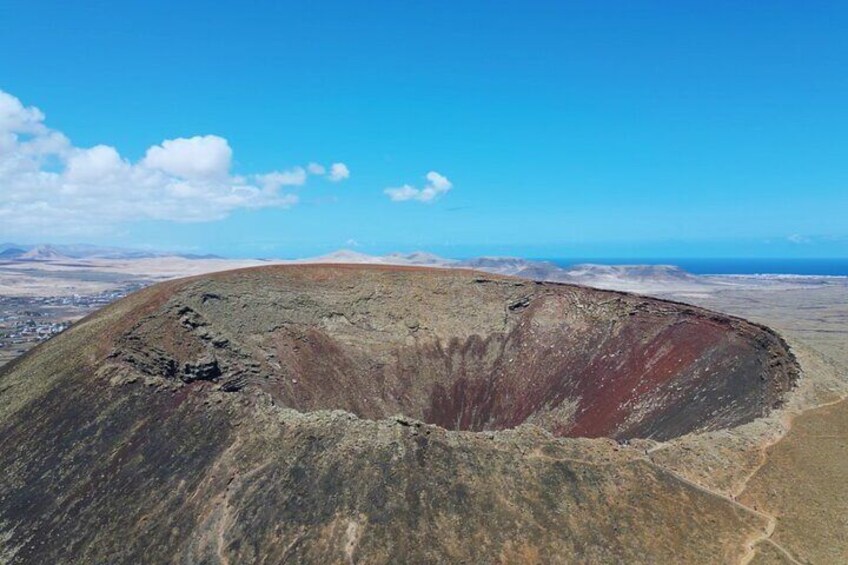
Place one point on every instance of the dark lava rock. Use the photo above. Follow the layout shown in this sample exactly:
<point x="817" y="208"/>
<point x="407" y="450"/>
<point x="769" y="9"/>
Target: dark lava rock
<point x="204" y="369"/>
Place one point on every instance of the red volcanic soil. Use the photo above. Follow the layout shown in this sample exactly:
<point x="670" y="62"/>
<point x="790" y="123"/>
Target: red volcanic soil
<point x="459" y="349"/>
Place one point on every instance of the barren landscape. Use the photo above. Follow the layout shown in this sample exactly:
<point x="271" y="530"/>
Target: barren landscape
<point x="465" y="429"/>
<point x="423" y="282"/>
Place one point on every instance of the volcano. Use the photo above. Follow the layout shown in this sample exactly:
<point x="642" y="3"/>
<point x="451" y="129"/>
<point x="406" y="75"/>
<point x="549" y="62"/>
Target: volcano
<point x="340" y="413"/>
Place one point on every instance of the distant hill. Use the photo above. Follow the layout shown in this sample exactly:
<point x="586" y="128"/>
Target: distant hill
<point x="50" y="251"/>
<point x="419" y="258"/>
<point x="343" y="256"/>
<point x="502" y="265"/>
<point x="633" y="271"/>
<point x="593" y="274"/>
<point x="11" y="253"/>
<point x="635" y="278"/>
<point x="42" y="253"/>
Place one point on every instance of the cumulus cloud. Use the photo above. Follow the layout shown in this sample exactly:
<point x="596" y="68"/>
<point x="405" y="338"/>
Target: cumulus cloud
<point x="99" y="163"/>
<point x="15" y="117"/>
<point x="278" y="179"/>
<point x="198" y="157"/>
<point x="436" y="186"/>
<point x="47" y="183"/>
<point x="338" y="172"/>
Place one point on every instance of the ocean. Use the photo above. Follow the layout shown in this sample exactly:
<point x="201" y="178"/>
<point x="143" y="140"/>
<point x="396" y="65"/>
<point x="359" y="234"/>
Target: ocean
<point x="734" y="266"/>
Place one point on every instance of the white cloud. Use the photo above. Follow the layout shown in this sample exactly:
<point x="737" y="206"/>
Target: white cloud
<point x="198" y="157"/>
<point x="14" y="117"/>
<point x="277" y="179"/>
<point x="48" y="184"/>
<point x="401" y="193"/>
<point x="93" y="165"/>
<point x="298" y="175"/>
<point x="316" y="169"/>
<point x="436" y="186"/>
<point x="338" y="172"/>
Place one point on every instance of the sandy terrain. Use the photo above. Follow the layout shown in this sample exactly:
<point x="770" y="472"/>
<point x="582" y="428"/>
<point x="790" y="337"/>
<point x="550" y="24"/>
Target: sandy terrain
<point x="89" y="276"/>
<point x="792" y="465"/>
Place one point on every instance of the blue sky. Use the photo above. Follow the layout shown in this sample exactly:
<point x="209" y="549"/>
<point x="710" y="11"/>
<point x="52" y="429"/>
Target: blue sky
<point x="561" y="129"/>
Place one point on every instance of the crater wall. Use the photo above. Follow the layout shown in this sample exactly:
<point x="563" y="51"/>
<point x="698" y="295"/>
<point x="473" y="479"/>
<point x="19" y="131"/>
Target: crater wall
<point x="462" y="350"/>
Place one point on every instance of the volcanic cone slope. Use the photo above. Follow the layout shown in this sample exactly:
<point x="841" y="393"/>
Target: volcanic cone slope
<point x="201" y="420"/>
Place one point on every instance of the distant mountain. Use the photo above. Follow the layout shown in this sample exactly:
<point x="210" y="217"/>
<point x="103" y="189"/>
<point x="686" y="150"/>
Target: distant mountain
<point x="42" y="253"/>
<point x="527" y="268"/>
<point x="625" y="277"/>
<point x="502" y="265"/>
<point x="87" y="251"/>
<point x="11" y="252"/>
<point x="418" y="258"/>
<point x="636" y="278"/>
<point x="15" y="246"/>
<point x="49" y="251"/>
<point x="642" y="273"/>
<point x="343" y="256"/>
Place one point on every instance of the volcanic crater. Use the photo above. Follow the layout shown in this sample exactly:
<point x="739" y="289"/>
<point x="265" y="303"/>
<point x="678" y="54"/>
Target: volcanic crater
<point x="458" y="349"/>
<point x="352" y="414"/>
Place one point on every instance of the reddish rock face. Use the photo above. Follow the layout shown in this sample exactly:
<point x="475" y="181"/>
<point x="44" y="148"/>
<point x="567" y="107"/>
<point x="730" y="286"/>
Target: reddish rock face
<point x="459" y="349"/>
